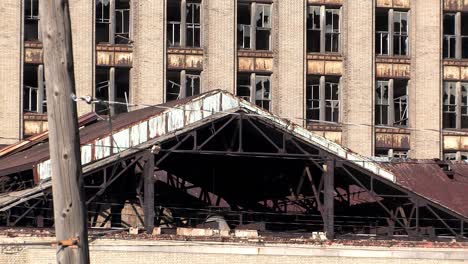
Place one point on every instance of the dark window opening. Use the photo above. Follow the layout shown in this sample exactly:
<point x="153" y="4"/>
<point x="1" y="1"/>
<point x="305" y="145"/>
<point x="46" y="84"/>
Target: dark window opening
<point x="400" y="35"/>
<point x="122" y="21"/>
<point x="323" y="99"/>
<point x="243" y="26"/>
<point x="313" y="29"/>
<point x="382" y="32"/>
<point x="182" y="84"/>
<point x="102" y="90"/>
<point x="102" y="21"/>
<point x="263" y="27"/>
<point x="244" y="87"/>
<point x="193" y="25"/>
<point x="31" y="20"/>
<point x="464" y="35"/>
<point x="313" y="99"/>
<point x="122" y="85"/>
<point x="173" y="23"/>
<point x="450" y="39"/>
<point x="332" y="30"/>
<point x="30" y="88"/>
<point x="173" y="87"/>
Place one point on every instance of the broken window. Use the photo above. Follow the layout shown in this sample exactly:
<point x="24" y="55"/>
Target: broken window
<point x="254" y="26"/>
<point x="34" y="99"/>
<point x="455" y="35"/>
<point x="455" y="105"/>
<point x="391" y="103"/>
<point x="391" y="29"/>
<point x="323" y="29"/>
<point x="323" y="99"/>
<point x="112" y="84"/>
<point x="113" y="21"/>
<point x="244" y="26"/>
<point x="182" y="84"/>
<point x="31" y="20"/>
<point x="261" y="96"/>
<point x="184" y="23"/>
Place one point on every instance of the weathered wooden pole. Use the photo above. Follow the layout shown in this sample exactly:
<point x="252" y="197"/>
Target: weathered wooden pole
<point x="69" y="204"/>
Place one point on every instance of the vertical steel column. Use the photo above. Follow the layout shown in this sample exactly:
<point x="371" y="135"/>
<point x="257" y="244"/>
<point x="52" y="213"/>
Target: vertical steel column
<point x="329" y="182"/>
<point x="148" y="195"/>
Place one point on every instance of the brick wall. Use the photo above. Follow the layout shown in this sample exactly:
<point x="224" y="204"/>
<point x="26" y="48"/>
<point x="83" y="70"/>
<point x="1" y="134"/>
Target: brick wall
<point x="168" y="252"/>
<point x="289" y="61"/>
<point x="358" y="88"/>
<point x="148" y="72"/>
<point x="10" y="73"/>
<point x="219" y="45"/>
<point x="425" y="86"/>
<point x="82" y="26"/>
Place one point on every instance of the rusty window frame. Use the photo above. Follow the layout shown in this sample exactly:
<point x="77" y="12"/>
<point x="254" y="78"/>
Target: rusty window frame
<point x="400" y="104"/>
<point x="244" y="87"/>
<point x="382" y="37"/>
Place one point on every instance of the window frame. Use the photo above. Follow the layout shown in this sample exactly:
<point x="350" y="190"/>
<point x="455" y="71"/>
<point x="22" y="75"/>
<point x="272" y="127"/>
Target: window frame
<point x="324" y="32"/>
<point x="252" y="86"/>
<point x="324" y="102"/>
<point x="393" y="33"/>
<point x="392" y="119"/>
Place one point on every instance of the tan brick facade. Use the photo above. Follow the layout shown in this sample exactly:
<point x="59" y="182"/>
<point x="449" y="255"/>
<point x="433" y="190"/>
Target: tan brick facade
<point x="219" y="46"/>
<point x="358" y="88"/>
<point x="82" y="21"/>
<point x="289" y="70"/>
<point x="425" y="91"/>
<point x="149" y="53"/>
<point x="10" y="71"/>
<point x="288" y="63"/>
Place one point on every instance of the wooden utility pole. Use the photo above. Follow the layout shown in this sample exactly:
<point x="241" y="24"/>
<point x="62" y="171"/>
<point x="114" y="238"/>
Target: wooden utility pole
<point x="64" y="141"/>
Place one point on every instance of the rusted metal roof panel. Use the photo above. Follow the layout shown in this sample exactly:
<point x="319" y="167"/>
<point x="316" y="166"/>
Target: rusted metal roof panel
<point x="427" y="179"/>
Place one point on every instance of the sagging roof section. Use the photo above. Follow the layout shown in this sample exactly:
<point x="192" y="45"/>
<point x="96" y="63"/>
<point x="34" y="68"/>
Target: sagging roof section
<point x="175" y="117"/>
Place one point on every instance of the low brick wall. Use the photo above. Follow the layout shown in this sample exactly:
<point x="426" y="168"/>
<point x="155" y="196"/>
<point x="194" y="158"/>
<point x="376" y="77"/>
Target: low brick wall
<point x="168" y="252"/>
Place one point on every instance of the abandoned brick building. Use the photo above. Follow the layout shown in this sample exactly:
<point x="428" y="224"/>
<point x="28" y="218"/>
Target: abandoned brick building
<point x="380" y="77"/>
